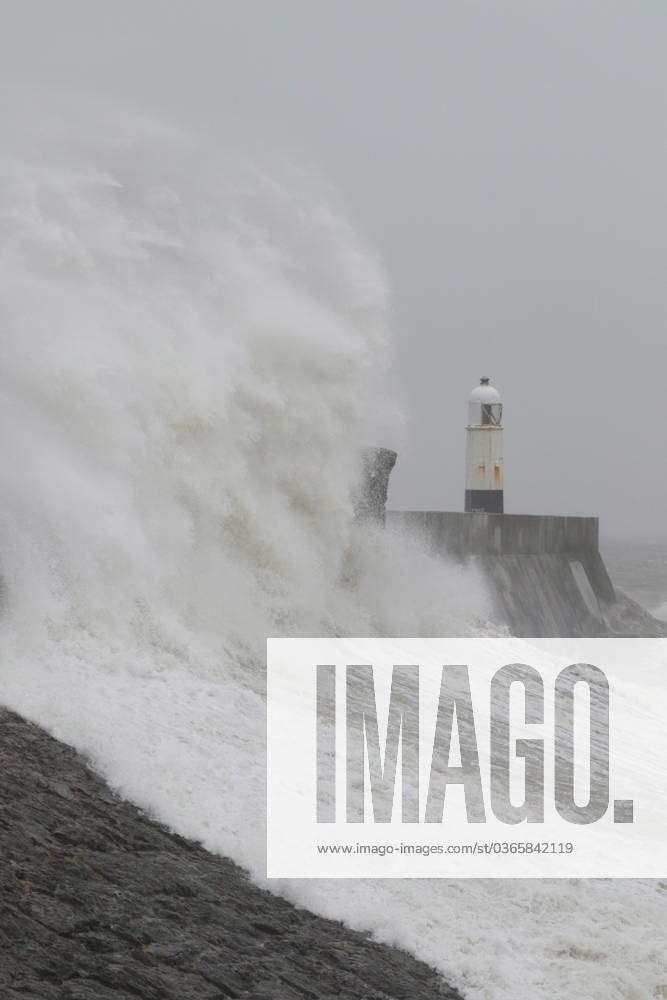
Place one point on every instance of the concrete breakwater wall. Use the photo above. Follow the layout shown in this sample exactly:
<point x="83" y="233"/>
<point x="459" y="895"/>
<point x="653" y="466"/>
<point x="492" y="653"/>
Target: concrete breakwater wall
<point x="101" y="903"/>
<point x="545" y="575"/>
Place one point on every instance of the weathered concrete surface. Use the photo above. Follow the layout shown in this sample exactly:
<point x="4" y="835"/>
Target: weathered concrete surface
<point x="545" y="575"/>
<point x="97" y="902"/>
<point x="500" y="534"/>
<point x="371" y="496"/>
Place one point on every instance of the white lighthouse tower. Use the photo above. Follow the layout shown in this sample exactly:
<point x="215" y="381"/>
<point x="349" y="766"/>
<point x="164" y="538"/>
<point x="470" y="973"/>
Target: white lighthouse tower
<point x="484" y="450"/>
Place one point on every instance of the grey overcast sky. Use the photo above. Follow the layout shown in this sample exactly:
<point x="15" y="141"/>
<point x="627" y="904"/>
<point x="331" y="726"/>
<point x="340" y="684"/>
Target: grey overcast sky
<point x="507" y="160"/>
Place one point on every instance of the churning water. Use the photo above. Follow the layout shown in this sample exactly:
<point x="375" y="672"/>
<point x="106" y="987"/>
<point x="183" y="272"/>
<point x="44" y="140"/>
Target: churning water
<point x="191" y="354"/>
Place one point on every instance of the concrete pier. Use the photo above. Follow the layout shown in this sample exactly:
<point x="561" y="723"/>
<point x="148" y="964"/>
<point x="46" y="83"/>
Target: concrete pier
<point x="545" y="575"/>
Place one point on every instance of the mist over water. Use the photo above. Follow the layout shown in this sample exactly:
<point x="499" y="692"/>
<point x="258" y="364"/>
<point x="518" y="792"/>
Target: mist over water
<point x="640" y="570"/>
<point x="191" y="354"/>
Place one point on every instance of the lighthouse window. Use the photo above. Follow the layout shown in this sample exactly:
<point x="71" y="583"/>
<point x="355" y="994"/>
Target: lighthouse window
<point x="492" y="413"/>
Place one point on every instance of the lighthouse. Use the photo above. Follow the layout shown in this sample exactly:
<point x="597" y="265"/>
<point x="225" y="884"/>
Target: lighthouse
<point x="484" y="450"/>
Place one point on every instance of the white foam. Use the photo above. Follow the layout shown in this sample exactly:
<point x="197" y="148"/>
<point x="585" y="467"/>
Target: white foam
<point x="661" y="611"/>
<point x="191" y="355"/>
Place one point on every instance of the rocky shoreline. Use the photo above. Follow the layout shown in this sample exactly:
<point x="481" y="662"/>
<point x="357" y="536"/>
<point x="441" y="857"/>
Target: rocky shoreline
<point x="98" y="902"/>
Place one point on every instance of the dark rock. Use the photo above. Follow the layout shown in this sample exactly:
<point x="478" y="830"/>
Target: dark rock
<point x="99" y="903"/>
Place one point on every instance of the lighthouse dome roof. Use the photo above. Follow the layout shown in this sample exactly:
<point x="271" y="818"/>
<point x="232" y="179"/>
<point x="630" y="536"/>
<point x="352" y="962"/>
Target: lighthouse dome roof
<point x="484" y="393"/>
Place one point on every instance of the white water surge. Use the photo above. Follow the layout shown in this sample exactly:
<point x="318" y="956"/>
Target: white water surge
<point x="191" y="354"/>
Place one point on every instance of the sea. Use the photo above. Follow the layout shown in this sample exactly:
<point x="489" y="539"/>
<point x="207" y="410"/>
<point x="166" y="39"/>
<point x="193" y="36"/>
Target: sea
<point x="192" y="348"/>
<point x="639" y="569"/>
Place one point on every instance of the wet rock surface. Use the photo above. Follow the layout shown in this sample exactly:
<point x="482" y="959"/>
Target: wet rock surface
<point x="98" y="902"/>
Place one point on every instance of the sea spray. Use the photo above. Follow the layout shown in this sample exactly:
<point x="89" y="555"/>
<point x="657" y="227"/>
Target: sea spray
<point x="191" y="351"/>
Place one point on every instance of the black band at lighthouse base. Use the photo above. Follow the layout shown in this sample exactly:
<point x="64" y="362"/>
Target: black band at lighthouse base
<point x="485" y="501"/>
